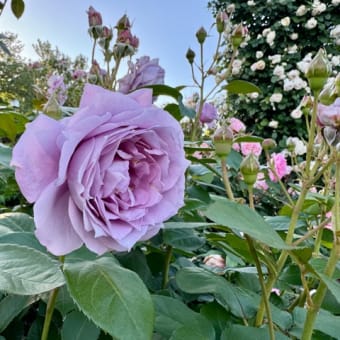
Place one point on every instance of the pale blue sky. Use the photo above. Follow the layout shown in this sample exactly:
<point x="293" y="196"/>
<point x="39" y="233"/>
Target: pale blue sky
<point x="165" y="28"/>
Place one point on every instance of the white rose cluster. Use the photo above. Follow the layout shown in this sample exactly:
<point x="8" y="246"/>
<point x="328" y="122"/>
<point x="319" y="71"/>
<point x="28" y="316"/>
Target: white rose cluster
<point x="258" y="66"/>
<point x="269" y="35"/>
<point x="318" y="7"/>
<point x="335" y="34"/>
<point x="294" y="81"/>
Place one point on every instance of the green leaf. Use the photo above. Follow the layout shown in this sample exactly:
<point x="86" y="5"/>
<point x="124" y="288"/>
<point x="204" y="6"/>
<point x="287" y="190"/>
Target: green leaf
<point x="11" y="306"/>
<point x="174" y="319"/>
<point x="18" y="7"/>
<point x="184" y="239"/>
<point x="5" y="156"/>
<point x="282" y="222"/>
<point x="241" y="86"/>
<point x="26" y="271"/>
<point x="243" y="219"/>
<point x="174" y="110"/>
<point x="187" y="225"/>
<point x="12" y="124"/>
<point x="24" y="239"/>
<point x="17" y="222"/>
<point x="164" y="90"/>
<point x="331" y="284"/>
<point x="245" y="332"/>
<point x="195" y="280"/>
<point x="114" y="298"/>
<point x="77" y="326"/>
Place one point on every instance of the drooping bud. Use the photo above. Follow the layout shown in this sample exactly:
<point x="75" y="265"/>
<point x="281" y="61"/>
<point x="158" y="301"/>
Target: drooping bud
<point x="190" y="55"/>
<point x="201" y="34"/>
<point x="238" y="35"/>
<point x="223" y="141"/>
<point x="221" y="20"/>
<point x="318" y="71"/>
<point x="95" y="18"/>
<point x="249" y="169"/>
<point x="328" y="94"/>
<point x="268" y="144"/>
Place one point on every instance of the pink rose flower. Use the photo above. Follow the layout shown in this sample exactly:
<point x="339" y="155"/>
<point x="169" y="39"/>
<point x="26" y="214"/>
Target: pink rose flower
<point x="208" y="114"/>
<point x="108" y="176"/>
<point x="236" y="125"/>
<point x="279" y="162"/>
<point x="144" y="72"/>
<point x="251" y="147"/>
<point x="261" y="183"/>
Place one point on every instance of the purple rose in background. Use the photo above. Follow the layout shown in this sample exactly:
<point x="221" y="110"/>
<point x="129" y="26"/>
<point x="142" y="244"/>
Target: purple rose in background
<point x="57" y="87"/>
<point x="144" y="72"/>
<point x="208" y="114"/>
<point x="108" y="176"/>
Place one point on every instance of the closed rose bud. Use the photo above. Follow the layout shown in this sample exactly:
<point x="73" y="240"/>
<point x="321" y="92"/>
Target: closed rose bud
<point x="107" y="33"/>
<point x="221" y="20"/>
<point x="95" y="18"/>
<point x="328" y="94"/>
<point x="223" y="141"/>
<point x="318" y="71"/>
<point x="268" y="144"/>
<point x="238" y="35"/>
<point x="201" y="34"/>
<point x="249" y="169"/>
<point x="190" y="55"/>
<point x="123" y="23"/>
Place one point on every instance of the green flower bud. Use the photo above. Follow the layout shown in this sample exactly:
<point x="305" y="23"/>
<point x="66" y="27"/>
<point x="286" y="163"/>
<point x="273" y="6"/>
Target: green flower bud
<point x="201" y="34"/>
<point x="221" y="19"/>
<point x="190" y="55"/>
<point x="249" y="168"/>
<point x="223" y="141"/>
<point x="318" y="71"/>
<point x="238" y="35"/>
<point x="328" y="94"/>
<point x="268" y="144"/>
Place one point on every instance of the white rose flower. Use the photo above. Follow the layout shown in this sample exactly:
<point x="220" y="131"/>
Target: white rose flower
<point x="294" y="36"/>
<point x="292" y="49"/>
<point x="259" y="65"/>
<point x="285" y="22"/>
<point x="273" y="124"/>
<point x="302" y="10"/>
<point x="293" y="74"/>
<point x="270" y="38"/>
<point x="276" y="98"/>
<point x="319" y="8"/>
<point x="288" y="85"/>
<point x="296" y="114"/>
<point x="335" y="60"/>
<point x="251" y="3"/>
<point x="335" y="32"/>
<point x="299" y="83"/>
<point x="275" y="59"/>
<point x="231" y="8"/>
<point x="298" y="144"/>
<point x="259" y="54"/>
<point x="266" y="31"/>
<point x="253" y="95"/>
<point x="279" y="71"/>
<point x="311" y="23"/>
<point x="335" y="2"/>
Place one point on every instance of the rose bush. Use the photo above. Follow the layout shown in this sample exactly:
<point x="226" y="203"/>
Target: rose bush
<point x="107" y="177"/>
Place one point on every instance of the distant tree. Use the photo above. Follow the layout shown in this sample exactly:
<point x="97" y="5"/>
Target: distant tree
<point x="283" y="36"/>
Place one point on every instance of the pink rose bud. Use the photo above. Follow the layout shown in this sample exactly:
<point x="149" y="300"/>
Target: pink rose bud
<point x="318" y="71"/>
<point x="134" y="42"/>
<point x="268" y="144"/>
<point x="107" y="33"/>
<point x="221" y="20"/>
<point x="238" y="35"/>
<point x="95" y="18"/>
<point x="214" y="260"/>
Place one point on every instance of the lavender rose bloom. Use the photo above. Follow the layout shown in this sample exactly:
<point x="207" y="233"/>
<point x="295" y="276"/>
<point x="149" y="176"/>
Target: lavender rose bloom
<point x="144" y="72"/>
<point x="108" y="176"/>
<point x="208" y="114"/>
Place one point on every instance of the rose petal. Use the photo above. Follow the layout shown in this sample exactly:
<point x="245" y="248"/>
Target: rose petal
<point x="53" y="225"/>
<point x="35" y="156"/>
